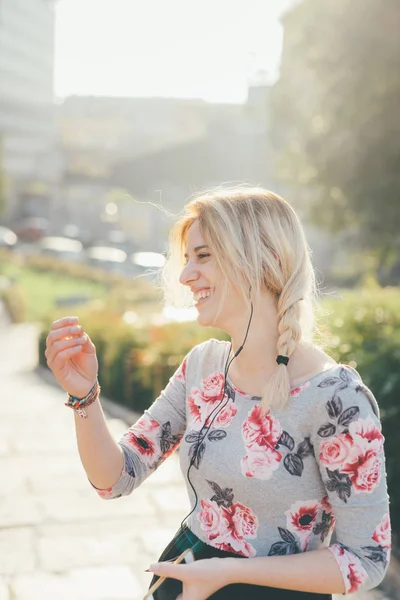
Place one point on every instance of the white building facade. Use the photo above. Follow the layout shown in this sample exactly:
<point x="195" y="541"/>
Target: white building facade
<point x="27" y="123"/>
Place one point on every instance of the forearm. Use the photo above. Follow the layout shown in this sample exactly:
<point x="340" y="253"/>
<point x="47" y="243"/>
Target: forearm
<point x="316" y="571"/>
<point x="100" y="454"/>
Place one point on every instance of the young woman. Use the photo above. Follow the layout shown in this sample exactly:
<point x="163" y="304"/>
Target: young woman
<point x="280" y="446"/>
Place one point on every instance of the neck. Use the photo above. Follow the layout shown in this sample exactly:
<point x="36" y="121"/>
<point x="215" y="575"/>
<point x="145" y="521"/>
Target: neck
<point x="260" y="348"/>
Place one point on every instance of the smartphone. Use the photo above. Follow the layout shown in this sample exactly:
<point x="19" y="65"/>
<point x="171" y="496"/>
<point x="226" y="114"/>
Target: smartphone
<point x="186" y="557"/>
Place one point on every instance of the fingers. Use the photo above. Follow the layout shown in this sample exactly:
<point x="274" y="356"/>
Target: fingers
<point x="65" y="339"/>
<point x="64" y="348"/>
<point x="167" y="569"/>
<point x="62" y="333"/>
<point x="64" y="322"/>
<point x="57" y="361"/>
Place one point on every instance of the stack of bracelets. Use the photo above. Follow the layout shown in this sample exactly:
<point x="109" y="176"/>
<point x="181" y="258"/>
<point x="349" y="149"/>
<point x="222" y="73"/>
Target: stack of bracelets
<point x="79" y="404"/>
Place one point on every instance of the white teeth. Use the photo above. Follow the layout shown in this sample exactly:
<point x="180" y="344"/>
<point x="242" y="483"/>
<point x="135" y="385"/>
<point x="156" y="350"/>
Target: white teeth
<point x="201" y="295"/>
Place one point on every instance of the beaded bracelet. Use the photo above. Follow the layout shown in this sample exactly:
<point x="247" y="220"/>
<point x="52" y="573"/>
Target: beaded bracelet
<point x="79" y="404"/>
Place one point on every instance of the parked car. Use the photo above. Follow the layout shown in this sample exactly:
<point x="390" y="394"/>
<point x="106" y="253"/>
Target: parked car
<point x="150" y="260"/>
<point x="106" y="257"/>
<point x="62" y="247"/>
<point x="31" y="229"/>
<point x="148" y="264"/>
<point x="8" y="238"/>
<point x="75" y="232"/>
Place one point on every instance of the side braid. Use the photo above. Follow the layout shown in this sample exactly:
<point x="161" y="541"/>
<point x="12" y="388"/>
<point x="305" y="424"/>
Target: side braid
<point x="289" y="329"/>
<point x="290" y="332"/>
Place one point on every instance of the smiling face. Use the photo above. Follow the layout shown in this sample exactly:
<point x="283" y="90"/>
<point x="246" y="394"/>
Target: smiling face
<point x="203" y="276"/>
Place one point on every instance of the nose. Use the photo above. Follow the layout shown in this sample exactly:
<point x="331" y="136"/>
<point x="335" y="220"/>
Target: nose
<point x="189" y="273"/>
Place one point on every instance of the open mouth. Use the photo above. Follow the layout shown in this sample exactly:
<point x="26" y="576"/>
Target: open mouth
<point x="201" y="296"/>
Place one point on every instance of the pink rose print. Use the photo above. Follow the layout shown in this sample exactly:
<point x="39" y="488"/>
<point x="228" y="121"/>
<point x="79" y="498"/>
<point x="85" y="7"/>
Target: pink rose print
<point x="356" y="576"/>
<point x="143" y="437"/>
<point x="201" y="406"/>
<point x="226" y="415"/>
<point x="296" y="391"/>
<point x="212" y="521"/>
<point x="302" y="515"/>
<point x="355" y="453"/>
<point x="301" y="518"/>
<point x="382" y="534"/>
<point x="180" y="374"/>
<point x="213" y="386"/>
<point x="194" y="403"/>
<point x="336" y="451"/>
<point x="353" y="572"/>
<point x="365" y="433"/>
<point x="227" y="527"/>
<point x="260" y="462"/>
<point x="105" y="493"/>
<point x="261" y="430"/>
<point x="241" y="547"/>
<point x="243" y="522"/>
<point x="236" y="546"/>
<point x="260" y="434"/>
<point x="326" y="505"/>
<point x="364" y="472"/>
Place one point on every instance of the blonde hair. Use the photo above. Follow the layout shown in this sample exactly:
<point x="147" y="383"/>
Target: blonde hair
<point x="258" y="242"/>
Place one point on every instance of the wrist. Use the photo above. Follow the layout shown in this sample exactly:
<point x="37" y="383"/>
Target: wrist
<point x="79" y="404"/>
<point x="231" y="569"/>
<point x="81" y="395"/>
<point x="242" y="570"/>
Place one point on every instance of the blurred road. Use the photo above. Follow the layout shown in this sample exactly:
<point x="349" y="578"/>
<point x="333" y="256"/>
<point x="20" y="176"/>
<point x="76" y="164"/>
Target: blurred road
<point x="58" y="539"/>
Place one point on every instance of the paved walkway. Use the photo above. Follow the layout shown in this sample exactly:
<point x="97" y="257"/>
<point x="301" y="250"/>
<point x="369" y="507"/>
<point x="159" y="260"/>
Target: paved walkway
<point x="58" y="539"/>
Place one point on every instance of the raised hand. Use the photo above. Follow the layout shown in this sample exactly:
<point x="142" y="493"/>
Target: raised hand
<point x="71" y="356"/>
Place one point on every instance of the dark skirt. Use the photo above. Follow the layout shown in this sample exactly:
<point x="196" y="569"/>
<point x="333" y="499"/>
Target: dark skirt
<point x="184" y="539"/>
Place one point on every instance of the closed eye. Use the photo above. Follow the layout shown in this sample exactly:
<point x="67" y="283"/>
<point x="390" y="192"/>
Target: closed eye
<point x="199" y="257"/>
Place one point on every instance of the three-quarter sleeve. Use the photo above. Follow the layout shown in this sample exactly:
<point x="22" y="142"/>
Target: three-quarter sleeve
<point x="349" y="448"/>
<point x="154" y="436"/>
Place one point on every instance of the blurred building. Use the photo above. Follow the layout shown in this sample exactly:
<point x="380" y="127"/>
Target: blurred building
<point x="27" y="124"/>
<point x="233" y="148"/>
<point x="97" y="131"/>
<point x="158" y="150"/>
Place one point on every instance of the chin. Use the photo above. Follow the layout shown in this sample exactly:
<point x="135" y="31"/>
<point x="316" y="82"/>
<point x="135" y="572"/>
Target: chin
<point x="205" y="320"/>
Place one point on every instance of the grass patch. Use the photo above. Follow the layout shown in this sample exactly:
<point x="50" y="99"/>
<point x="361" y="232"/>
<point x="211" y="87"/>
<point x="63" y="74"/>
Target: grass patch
<point x="42" y="290"/>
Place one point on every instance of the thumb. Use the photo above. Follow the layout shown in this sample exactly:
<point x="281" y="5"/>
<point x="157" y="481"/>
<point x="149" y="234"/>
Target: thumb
<point x="88" y="346"/>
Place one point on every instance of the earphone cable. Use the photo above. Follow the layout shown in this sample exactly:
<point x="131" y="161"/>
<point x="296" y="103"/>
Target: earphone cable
<point x="208" y="427"/>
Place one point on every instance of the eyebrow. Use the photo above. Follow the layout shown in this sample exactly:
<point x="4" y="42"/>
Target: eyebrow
<point x="196" y="249"/>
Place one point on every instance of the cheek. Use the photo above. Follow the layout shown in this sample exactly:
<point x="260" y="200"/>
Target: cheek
<point x="234" y="300"/>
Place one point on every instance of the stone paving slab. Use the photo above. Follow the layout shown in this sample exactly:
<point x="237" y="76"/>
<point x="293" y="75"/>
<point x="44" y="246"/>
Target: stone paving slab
<point x="17" y="550"/>
<point x="4" y="591"/>
<point x="112" y="583"/>
<point x="58" y="539"/>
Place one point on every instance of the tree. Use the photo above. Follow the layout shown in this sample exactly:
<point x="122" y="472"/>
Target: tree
<point x="335" y="114"/>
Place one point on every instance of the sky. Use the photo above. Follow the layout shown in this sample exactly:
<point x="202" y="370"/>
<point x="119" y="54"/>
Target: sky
<point x="206" y="49"/>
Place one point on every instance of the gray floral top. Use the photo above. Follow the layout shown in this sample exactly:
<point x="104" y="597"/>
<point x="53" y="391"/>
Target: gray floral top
<point x="306" y="477"/>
